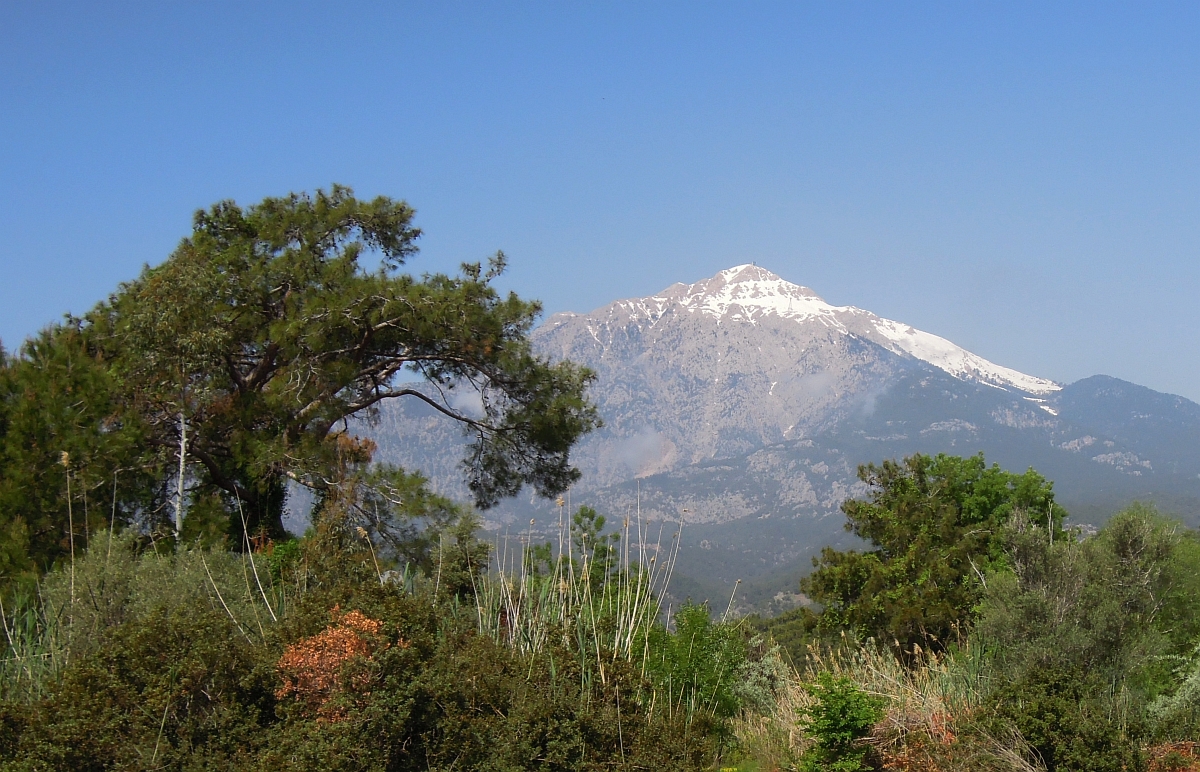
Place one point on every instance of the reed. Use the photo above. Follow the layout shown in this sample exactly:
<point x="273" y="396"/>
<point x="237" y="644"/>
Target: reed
<point x="599" y="603"/>
<point x="37" y="648"/>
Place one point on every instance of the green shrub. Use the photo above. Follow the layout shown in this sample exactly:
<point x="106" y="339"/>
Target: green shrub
<point x="1070" y="728"/>
<point x="794" y="631"/>
<point x="761" y="679"/>
<point x="442" y="696"/>
<point x="124" y="579"/>
<point x="1094" y="604"/>
<point x="283" y="557"/>
<point x="840" y="719"/>
<point x="933" y="524"/>
<point x="171" y="687"/>
<point x="696" y="666"/>
<point x="169" y="680"/>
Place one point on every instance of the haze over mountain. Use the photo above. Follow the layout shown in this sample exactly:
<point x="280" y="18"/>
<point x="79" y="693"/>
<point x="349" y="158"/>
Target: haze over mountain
<point x="744" y="404"/>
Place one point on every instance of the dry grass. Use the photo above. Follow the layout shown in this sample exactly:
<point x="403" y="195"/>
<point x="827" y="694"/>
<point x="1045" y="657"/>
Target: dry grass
<point x="923" y="704"/>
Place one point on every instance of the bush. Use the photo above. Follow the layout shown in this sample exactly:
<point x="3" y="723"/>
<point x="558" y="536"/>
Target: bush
<point x="933" y="524"/>
<point x="1114" y="606"/>
<point x="121" y="580"/>
<point x="1060" y="716"/>
<point x="794" y="631"/>
<point x="840" y="719"/>
<point x="435" y="694"/>
<point x="171" y="688"/>
<point x="695" y="666"/>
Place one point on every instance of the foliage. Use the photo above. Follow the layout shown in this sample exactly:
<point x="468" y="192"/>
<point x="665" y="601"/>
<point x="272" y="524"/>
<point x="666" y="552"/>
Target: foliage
<point x="1176" y="711"/>
<point x="246" y="352"/>
<point x="934" y="525"/>
<point x="597" y="550"/>
<point x="124" y="579"/>
<point x="762" y="676"/>
<point x="313" y="669"/>
<point x="70" y="465"/>
<point x="1060" y="714"/>
<point x="396" y="511"/>
<point x="163" y="690"/>
<point x="1120" y="607"/>
<point x="600" y="616"/>
<point x="283" y="557"/>
<point x="265" y="330"/>
<point x="928" y="709"/>
<point x="1091" y="604"/>
<point x="1082" y="632"/>
<point x="696" y="665"/>
<point x="1080" y="655"/>
<point x="794" y="631"/>
<point x="355" y="673"/>
<point x="841" y="717"/>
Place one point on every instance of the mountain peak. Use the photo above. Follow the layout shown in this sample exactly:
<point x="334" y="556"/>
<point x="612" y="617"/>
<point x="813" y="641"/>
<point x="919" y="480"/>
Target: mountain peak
<point x="749" y="294"/>
<point x="751" y="281"/>
<point x="746" y="293"/>
<point x="746" y="272"/>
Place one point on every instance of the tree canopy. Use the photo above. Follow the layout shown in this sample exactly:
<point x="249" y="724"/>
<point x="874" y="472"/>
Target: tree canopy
<point x="253" y="344"/>
<point x="935" y="525"/>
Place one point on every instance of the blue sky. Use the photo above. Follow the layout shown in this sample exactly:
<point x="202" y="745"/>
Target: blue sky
<point x="1023" y="179"/>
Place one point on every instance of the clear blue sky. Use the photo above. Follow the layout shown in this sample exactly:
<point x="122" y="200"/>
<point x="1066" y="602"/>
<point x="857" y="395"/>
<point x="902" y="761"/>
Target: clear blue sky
<point x="1022" y="179"/>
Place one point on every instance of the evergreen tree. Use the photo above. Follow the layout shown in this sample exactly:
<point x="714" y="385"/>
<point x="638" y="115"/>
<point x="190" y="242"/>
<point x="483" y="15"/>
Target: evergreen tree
<point x="69" y="463"/>
<point x="935" y="526"/>
<point x="254" y="343"/>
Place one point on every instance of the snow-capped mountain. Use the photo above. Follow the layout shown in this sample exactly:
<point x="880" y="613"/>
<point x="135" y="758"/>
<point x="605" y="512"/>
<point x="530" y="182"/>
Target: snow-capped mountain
<point x="744" y="404"/>
<point x="747" y="294"/>
<point x="741" y="360"/>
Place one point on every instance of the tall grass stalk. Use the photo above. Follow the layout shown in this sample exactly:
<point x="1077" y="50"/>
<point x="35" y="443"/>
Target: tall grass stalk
<point x="923" y="698"/>
<point x="602" y="613"/>
<point x="38" y="647"/>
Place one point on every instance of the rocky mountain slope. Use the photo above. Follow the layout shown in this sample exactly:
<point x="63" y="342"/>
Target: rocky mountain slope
<point x="743" y="404"/>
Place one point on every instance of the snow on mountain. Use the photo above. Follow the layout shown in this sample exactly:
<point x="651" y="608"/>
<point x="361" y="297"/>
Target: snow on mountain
<point x="747" y="293"/>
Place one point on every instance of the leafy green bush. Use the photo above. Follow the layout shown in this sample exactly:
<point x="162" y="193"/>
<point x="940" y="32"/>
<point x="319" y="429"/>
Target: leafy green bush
<point x="123" y="579"/>
<point x="456" y="700"/>
<point x="794" y="631"/>
<point x="1095" y="606"/>
<point x="762" y="677"/>
<point x="1059" y="712"/>
<point x="283" y="557"/>
<point x="695" y="667"/>
<point x="842" y="716"/>
<point x="1090" y="639"/>
<point x="170" y="688"/>
<point x="1176" y="714"/>
<point x="934" y="525"/>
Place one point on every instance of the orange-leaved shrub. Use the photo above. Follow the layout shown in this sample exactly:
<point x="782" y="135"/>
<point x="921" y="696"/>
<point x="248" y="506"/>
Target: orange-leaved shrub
<point x="321" y="667"/>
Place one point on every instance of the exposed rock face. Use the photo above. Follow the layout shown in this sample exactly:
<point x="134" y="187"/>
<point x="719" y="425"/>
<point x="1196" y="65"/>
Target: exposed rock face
<point x="730" y="364"/>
